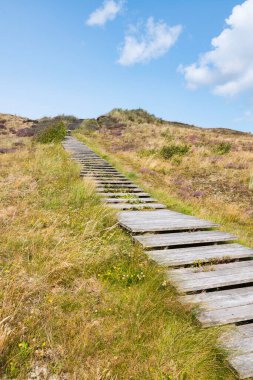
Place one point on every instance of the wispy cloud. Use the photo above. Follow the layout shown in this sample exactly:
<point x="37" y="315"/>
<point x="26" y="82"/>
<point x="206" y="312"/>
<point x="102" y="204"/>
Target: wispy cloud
<point x="227" y="68"/>
<point x="156" y="39"/>
<point x="107" y="12"/>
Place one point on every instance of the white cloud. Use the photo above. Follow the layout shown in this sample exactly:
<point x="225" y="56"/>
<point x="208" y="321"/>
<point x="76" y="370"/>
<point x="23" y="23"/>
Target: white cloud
<point x="107" y="12"/>
<point x="228" y="67"/>
<point x="156" y="40"/>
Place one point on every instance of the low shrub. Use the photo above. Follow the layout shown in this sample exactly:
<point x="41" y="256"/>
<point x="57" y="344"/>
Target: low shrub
<point x="169" y="151"/>
<point x="53" y="133"/>
<point x="223" y="148"/>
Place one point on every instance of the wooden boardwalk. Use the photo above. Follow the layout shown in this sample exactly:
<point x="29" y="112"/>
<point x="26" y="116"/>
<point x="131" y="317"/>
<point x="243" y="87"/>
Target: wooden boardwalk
<point x="206" y="266"/>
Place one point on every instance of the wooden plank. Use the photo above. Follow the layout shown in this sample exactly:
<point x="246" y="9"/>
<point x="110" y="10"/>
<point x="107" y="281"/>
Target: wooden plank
<point x="91" y="167"/>
<point x="103" y="174"/>
<point x="99" y="171"/>
<point x="129" y="194"/>
<point x="114" y="182"/>
<point x="218" y="276"/>
<point x="225" y="316"/>
<point x="166" y="220"/>
<point x="199" y="255"/>
<point x="206" y="269"/>
<point x="183" y="238"/>
<point x="243" y="365"/>
<point x="235" y="339"/>
<point x="221" y="299"/>
<point x="126" y="206"/>
<point x="129" y="200"/>
<point x="117" y="185"/>
<point x="245" y="330"/>
<point x="120" y="190"/>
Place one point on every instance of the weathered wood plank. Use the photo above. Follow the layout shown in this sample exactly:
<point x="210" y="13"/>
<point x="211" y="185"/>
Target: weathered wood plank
<point x="130" y="200"/>
<point x="183" y="238"/>
<point x="243" y="365"/>
<point x="118" y="186"/>
<point x="228" y="306"/>
<point x="161" y="221"/>
<point x="126" y="206"/>
<point x="119" y="189"/>
<point x="221" y="299"/>
<point x="238" y="339"/>
<point x="226" y="315"/>
<point x="240" y="273"/>
<point x="114" y="182"/>
<point x="206" y="269"/>
<point x="198" y="255"/>
<point x="107" y="176"/>
<point x="99" y="172"/>
<point x="129" y="194"/>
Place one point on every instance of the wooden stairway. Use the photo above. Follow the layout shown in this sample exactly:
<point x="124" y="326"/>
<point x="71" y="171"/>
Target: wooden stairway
<point x="204" y="264"/>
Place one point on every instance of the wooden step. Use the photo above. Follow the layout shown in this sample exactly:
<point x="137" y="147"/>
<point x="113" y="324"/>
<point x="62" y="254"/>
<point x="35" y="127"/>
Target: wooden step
<point x="117" y="190"/>
<point x="135" y="206"/>
<point x="183" y="238"/>
<point x="130" y="200"/>
<point x="239" y="341"/>
<point x="129" y="194"/>
<point x="157" y="221"/>
<point x="199" y="255"/>
<point x="117" y="186"/>
<point x="114" y="182"/>
<point x="212" y="277"/>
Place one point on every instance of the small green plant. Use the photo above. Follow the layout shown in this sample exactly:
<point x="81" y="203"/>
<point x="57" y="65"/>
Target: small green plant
<point x="223" y="148"/>
<point x="53" y="133"/>
<point x="24" y="350"/>
<point x="169" y="151"/>
<point x="132" y="175"/>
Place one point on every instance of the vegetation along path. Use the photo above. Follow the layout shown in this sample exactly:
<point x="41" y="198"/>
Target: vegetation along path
<point x="204" y="263"/>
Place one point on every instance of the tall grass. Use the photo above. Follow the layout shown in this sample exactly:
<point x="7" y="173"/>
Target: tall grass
<point x="79" y="300"/>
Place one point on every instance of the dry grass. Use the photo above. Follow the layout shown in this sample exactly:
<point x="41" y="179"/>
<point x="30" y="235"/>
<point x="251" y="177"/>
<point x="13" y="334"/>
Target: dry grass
<point x="212" y="180"/>
<point x="79" y="301"/>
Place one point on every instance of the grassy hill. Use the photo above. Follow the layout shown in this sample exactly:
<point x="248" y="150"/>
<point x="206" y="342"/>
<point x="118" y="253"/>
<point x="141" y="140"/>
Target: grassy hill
<point x="79" y="300"/>
<point x="206" y="172"/>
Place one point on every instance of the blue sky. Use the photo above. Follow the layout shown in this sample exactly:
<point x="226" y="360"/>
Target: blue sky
<point x="58" y="56"/>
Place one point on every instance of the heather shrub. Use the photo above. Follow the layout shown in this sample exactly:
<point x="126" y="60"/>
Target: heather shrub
<point x="53" y="133"/>
<point x="223" y="147"/>
<point x="169" y="151"/>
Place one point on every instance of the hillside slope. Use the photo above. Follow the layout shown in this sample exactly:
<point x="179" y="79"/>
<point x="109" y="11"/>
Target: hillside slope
<point x="206" y="172"/>
<point x="80" y="301"/>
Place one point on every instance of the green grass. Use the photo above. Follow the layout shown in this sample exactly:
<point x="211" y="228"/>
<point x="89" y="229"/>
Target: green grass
<point x="78" y="297"/>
